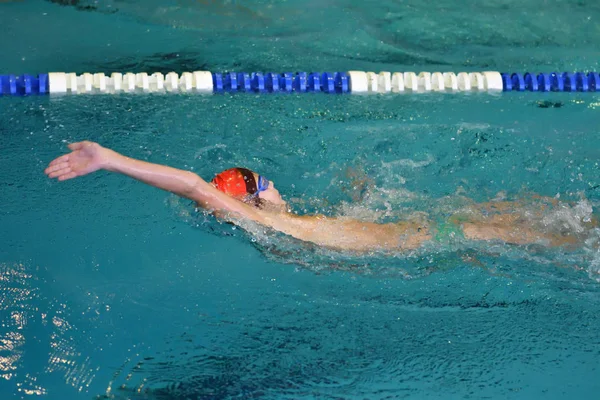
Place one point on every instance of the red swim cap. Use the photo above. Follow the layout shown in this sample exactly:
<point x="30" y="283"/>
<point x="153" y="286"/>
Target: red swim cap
<point x="236" y="182"/>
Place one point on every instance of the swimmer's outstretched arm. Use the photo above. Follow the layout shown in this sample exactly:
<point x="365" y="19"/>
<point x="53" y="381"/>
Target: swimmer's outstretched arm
<point x="87" y="157"/>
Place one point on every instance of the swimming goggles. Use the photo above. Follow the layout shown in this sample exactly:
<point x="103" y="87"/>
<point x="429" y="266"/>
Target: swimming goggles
<point x="261" y="185"/>
<point x="253" y="186"/>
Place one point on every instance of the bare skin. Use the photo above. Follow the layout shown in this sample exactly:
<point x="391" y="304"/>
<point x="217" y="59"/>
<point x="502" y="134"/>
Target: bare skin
<point x="502" y="227"/>
<point x="333" y="232"/>
<point x="504" y="220"/>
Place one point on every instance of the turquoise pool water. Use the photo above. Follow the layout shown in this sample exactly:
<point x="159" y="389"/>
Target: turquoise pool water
<point x="110" y="289"/>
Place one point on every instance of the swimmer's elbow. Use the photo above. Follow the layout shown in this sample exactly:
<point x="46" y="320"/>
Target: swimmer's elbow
<point x="195" y="188"/>
<point x="204" y="194"/>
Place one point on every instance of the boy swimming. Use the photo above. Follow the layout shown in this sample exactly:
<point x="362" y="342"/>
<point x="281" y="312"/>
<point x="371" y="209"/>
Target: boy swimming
<point x="239" y="194"/>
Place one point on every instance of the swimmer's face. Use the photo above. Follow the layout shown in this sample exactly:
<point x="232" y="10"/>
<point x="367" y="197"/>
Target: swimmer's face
<point x="270" y="194"/>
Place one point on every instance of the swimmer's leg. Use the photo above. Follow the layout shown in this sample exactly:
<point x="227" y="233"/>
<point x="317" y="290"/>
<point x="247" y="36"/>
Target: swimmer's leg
<point x="512" y="228"/>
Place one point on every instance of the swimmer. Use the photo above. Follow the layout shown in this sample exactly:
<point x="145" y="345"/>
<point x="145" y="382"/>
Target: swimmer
<point x="238" y="194"/>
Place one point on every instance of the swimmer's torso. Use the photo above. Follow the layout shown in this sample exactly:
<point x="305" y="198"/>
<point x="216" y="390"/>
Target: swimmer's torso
<point x="350" y="234"/>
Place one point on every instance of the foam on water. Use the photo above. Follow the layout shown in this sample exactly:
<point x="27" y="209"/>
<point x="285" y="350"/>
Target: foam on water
<point x="380" y="205"/>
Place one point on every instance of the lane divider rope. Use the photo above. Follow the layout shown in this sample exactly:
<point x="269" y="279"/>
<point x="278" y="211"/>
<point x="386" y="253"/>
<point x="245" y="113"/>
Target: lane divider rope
<point x="356" y="82"/>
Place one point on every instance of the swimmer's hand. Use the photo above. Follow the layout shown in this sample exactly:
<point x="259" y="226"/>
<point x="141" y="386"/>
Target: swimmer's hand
<point x="84" y="158"/>
<point x="87" y="157"/>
